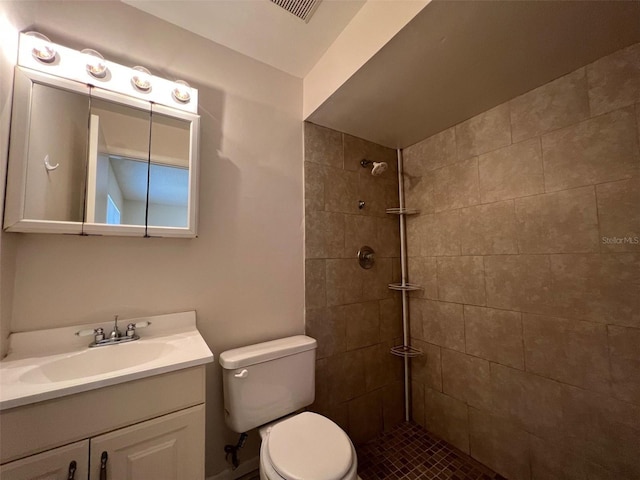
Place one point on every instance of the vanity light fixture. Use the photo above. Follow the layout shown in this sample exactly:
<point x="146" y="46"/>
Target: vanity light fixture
<point x="37" y="52"/>
<point x="43" y="48"/>
<point x="181" y="91"/>
<point x="95" y="63"/>
<point x="141" y="79"/>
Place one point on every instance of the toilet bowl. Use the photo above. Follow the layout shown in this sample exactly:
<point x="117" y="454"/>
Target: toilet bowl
<point x="306" y="446"/>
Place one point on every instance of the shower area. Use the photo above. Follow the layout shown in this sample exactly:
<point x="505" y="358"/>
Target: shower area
<point x="521" y="234"/>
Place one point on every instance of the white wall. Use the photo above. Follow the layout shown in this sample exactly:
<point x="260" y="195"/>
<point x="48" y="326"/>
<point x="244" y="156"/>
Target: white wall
<point x="244" y="272"/>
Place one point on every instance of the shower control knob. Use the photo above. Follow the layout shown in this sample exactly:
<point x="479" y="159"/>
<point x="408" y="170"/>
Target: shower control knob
<point x="366" y="257"/>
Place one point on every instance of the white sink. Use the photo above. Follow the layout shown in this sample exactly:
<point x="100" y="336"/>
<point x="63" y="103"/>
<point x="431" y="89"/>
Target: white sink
<point x="48" y="364"/>
<point x="97" y="361"/>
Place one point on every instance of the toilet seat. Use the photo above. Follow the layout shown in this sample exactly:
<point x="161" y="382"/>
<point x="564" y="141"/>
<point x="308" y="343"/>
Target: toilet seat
<point x="308" y="446"/>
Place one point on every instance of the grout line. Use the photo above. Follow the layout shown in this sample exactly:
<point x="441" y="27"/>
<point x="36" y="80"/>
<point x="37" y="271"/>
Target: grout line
<point x="610" y="379"/>
<point x="464" y="326"/>
<point x="524" y="354"/>
<point x="508" y="102"/>
<point x="484" y="280"/>
<point x="544" y="178"/>
<point x="515" y="224"/>
<point x="601" y="248"/>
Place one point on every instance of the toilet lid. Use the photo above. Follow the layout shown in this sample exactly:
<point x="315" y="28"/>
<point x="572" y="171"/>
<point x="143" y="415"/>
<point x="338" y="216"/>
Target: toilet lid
<point x="309" y="446"/>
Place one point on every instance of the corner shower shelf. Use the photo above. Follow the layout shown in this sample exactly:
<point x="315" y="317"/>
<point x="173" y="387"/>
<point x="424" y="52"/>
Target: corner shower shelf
<point x="406" y="351"/>
<point x="402" y="211"/>
<point x="406" y="287"/>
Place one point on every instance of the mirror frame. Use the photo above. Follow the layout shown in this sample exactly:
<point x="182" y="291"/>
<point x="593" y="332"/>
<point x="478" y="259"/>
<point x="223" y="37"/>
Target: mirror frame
<point x="14" y="220"/>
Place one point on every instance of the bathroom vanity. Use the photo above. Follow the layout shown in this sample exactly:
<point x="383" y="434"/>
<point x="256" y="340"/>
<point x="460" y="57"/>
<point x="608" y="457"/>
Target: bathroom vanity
<point x="130" y="411"/>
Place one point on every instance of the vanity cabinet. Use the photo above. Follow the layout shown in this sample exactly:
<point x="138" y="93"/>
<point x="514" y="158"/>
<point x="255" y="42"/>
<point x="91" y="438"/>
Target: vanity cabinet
<point x="166" y="448"/>
<point x="151" y="428"/>
<point x="64" y="463"/>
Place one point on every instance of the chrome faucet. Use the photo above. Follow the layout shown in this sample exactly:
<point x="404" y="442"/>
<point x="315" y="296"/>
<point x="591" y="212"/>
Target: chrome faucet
<point x="115" y="333"/>
<point x="116" y="336"/>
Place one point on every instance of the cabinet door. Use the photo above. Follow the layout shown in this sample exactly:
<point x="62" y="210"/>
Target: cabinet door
<point x="166" y="448"/>
<point x="64" y="463"/>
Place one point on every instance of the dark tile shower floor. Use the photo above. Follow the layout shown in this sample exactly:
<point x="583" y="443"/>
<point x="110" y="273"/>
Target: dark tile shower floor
<point x="408" y="451"/>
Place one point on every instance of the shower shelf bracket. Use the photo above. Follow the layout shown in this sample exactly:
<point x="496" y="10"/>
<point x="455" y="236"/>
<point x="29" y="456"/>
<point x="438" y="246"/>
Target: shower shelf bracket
<point x="402" y="211"/>
<point x="407" y="287"/>
<point x="406" y="351"/>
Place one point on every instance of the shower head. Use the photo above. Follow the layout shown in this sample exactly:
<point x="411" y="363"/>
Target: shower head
<point x="378" y="167"/>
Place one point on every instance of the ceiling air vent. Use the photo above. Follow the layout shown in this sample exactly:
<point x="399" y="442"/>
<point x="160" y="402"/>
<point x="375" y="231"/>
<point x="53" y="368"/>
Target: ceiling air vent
<point x="302" y="9"/>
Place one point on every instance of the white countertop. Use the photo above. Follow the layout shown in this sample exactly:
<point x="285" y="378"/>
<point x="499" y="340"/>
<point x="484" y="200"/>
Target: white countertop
<point x="46" y="364"/>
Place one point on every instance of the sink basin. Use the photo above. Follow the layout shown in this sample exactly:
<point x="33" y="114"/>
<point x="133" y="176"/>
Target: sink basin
<point x="47" y="364"/>
<point x="97" y="361"/>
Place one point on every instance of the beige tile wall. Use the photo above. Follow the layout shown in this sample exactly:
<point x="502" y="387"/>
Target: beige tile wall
<point x="530" y="319"/>
<point x="350" y="311"/>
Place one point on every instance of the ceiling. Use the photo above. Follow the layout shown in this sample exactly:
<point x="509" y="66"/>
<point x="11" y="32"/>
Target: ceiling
<point x="259" y="28"/>
<point x="456" y="59"/>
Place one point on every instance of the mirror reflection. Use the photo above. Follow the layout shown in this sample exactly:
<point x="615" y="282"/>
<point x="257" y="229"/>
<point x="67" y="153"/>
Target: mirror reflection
<point x="169" y="171"/>
<point x="57" y="147"/>
<point x="117" y="164"/>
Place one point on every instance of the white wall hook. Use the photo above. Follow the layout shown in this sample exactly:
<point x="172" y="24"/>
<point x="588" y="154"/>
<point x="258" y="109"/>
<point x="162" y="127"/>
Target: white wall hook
<point x="48" y="166"/>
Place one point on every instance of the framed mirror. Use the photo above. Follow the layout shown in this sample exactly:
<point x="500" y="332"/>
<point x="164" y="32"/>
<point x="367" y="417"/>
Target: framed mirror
<point x="47" y="156"/>
<point x="85" y="160"/>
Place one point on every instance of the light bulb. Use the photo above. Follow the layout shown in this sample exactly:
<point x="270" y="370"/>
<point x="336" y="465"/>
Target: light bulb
<point x="95" y="63"/>
<point x="141" y="79"/>
<point x="181" y="91"/>
<point x="42" y="48"/>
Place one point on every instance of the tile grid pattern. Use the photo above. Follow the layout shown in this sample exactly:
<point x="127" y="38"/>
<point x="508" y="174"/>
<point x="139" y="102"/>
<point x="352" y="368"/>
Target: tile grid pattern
<point x="350" y="311"/>
<point x="527" y="246"/>
<point x="409" y="452"/>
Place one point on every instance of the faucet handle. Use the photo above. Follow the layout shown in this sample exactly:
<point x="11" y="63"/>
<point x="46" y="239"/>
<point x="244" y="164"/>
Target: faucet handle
<point x="98" y="332"/>
<point x="89" y="331"/>
<point x="131" y="330"/>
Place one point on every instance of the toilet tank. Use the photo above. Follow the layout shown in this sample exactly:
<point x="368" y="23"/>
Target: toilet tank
<point x="266" y="381"/>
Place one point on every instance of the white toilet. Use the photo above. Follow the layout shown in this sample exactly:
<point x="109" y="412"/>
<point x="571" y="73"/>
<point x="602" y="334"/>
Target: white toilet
<point x="263" y="385"/>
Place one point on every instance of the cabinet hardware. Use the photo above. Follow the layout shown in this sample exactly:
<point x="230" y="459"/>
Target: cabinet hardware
<point x="72" y="470"/>
<point x="103" y="465"/>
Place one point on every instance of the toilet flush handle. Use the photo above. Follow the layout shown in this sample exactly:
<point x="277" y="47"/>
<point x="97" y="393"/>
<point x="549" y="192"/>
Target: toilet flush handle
<point x="244" y="373"/>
